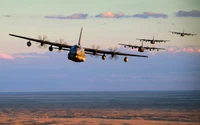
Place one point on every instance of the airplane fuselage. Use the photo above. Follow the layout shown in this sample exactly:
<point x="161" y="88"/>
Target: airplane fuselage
<point x="77" y="54"/>
<point x="152" y="42"/>
<point x="182" y="34"/>
<point x="141" y="49"/>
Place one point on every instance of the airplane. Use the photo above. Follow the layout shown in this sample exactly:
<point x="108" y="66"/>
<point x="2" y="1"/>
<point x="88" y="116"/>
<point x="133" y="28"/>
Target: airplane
<point x="77" y="52"/>
<point x="153" y="41"/>
<point x="182" y="34"/>
<point x="141" y="48"/>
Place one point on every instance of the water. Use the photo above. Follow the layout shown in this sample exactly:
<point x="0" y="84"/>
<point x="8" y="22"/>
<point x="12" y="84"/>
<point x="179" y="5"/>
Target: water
<point x="186" y="100"/>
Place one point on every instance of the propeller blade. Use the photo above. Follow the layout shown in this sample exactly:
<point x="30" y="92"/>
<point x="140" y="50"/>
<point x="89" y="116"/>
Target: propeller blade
<point x="45" y="46"/>
<point x="95" y="49"/>
<point x="98" y="47"/>
<point x="59" y="51"/>
<point x="93" y="46"/>
<point x="115" y="49"/>
<point x="110" y="49"/>
<point x="64" y="43"/>
<point x="61" y="40"/>
<point x="116" y="57"/>
<point x="44" y="37"/>
<point x="40" y="37"/>
<point x="110" y="57"/>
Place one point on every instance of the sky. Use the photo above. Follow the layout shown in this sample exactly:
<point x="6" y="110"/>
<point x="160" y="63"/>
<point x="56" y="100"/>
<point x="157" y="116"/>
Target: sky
<point x="105" y="23"/>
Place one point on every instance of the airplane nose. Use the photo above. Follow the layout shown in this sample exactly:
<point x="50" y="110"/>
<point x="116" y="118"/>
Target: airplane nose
<point x="77" y="52"/>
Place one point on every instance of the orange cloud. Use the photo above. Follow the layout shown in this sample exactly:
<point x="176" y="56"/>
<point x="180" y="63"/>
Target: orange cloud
<point x="21" y="56"/>
<point x="185" y="49"/>
<point x="111" y="15"/>
<point x="6" y="56"/>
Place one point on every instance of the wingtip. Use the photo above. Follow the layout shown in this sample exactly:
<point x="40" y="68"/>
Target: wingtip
<point x="11" y="34"/>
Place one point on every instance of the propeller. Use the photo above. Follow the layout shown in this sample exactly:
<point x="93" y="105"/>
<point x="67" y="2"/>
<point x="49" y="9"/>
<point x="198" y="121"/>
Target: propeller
<point x="43" y="39"/>
<point x="95" y="50"/>
<point x="113" y="50"/>
<point x="61" y="42"/>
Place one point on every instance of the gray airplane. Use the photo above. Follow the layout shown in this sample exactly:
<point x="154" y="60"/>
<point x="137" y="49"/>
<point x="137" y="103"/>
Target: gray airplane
<point x="77" y="52"/>
<point x="153" y="41"/>
<point x="182" y="33"/>
<point x="141" y="48"/>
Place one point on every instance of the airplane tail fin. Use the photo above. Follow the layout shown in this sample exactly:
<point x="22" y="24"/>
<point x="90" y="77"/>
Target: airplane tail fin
<point x="183" y="31"/>
<point x="153" y="37"/>
<point x="79" y="41"/>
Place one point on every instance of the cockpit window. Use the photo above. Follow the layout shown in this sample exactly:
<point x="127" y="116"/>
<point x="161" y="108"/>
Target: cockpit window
<point x="75" y="48"/>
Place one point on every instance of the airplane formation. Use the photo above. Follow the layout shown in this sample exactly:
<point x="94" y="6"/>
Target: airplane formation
<point x="77" y="52"/>
<point x="182" y="33"/>
<point x="153" y="41"/>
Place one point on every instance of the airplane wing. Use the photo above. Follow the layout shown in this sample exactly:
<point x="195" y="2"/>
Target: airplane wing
<point x="111" y="52"/>
<point x="153" y="48"/>
<point x="128" y="45"/>
<point x="147" y="40"/>
<point x="147" y="48"/>
<point x="65" y="47"/>
<point x="174" y="32"/>
<point x="43" y="41"/>
<point x="161" y="40"/>
<point x="189" y="34"/>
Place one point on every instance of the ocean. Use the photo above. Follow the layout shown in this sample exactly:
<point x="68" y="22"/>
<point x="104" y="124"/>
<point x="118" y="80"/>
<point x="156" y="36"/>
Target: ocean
<point x="183" y="100"/>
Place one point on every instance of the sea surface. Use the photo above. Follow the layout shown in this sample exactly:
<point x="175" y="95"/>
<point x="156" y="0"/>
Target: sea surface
<point x="184" y="100"/>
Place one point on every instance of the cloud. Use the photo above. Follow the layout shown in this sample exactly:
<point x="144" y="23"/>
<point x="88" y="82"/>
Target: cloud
<point x="146" y="15"/>
<point x="21" y="56"/>
<point x="184" y="49"/>
<point x="187" y="49"/>
<point x="73" y="16"/>
<point x="6" y="56"/>
<point x="111" y="15"/>
<point x="193" y="13"/>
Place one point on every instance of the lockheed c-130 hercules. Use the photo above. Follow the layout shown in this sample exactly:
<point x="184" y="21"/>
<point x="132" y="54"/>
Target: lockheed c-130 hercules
<point x="182" y="33"/>
<point x="77" y="52"/>
<point x="153" y="41"/>
<point x="141" y="48"/>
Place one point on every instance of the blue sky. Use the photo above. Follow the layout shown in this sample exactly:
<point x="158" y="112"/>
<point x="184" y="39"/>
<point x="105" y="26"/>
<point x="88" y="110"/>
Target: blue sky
<point x="106" y="23"/>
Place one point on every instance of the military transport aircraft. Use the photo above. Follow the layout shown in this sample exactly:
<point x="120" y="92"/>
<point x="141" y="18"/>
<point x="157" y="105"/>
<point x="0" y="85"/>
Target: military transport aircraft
<point x="182" y="33"/>
<point x="77" y="52"/>
<point x="153" y="41"/>
<point x="141" y="48"/>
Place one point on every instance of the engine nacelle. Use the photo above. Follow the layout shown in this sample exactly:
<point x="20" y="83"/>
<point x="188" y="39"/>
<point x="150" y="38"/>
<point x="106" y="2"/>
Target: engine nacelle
<point x="152" y="42"/>
<point x="50" y="48"/>
<point x="125" y="59"/>
<point x="94" y="53"/>
<point x="104" y="57"/>
<point x="60" y="48"/>
<point x="141" y="49"/>
<point x="182" y="34"/>
<point x="28" y="43"/>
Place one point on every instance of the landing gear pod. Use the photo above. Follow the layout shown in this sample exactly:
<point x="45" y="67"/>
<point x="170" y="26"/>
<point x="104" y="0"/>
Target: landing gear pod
<point x="125" y="59"/>
<point x="104" y="57"/>
<point x="50" y="48"/>
<point x="28" y="43"/>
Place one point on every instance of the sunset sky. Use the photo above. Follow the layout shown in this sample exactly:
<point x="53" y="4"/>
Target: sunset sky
<point x="105" y="23"/>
